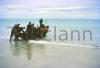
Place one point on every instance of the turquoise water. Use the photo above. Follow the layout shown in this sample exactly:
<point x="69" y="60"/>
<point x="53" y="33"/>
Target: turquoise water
<point x="55" y="53"/>
<point x="61" y="24"/>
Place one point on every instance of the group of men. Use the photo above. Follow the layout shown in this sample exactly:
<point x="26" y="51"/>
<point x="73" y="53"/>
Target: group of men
<point x="31" y="31"/>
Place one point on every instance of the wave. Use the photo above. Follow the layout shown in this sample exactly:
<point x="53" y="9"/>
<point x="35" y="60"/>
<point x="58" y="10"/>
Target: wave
<point x="60" y="43"/>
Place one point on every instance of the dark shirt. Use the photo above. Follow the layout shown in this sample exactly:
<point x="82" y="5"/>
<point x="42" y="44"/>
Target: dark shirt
<point x="42" y="26"/>
<point x="29" y="28"/>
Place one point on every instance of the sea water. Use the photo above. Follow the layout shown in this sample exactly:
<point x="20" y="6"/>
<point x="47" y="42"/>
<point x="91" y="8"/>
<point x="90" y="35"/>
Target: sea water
<point x="58" y="27"/>
<point x="55" y="51"/>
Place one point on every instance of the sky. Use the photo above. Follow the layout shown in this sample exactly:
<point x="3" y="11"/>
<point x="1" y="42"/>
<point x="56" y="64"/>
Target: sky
<point x="62" y="9"/>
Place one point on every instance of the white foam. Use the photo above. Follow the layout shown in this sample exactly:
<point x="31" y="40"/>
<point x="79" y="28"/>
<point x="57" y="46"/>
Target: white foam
<point x="59" y="43"/>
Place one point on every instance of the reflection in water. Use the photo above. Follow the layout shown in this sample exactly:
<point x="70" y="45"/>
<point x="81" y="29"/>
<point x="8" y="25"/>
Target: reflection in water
<point x="20" y="48"/>
<point x="29" y="51"/>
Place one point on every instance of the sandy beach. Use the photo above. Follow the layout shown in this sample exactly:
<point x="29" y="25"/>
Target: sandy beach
<point x="33" y="55"/>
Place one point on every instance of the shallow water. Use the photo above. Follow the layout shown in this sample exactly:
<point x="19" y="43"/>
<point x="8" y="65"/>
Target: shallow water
<point x="42" y="55"/>
<point x="67" y="25"/>
<point x="54" y="53"/>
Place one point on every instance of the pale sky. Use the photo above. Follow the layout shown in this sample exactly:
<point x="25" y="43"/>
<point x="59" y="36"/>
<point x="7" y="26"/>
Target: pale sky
<point x="64" y="9"/>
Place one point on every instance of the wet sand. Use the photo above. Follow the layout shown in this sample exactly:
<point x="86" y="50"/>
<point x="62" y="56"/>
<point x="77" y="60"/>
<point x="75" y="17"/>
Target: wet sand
<point x="33" y="55"/>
